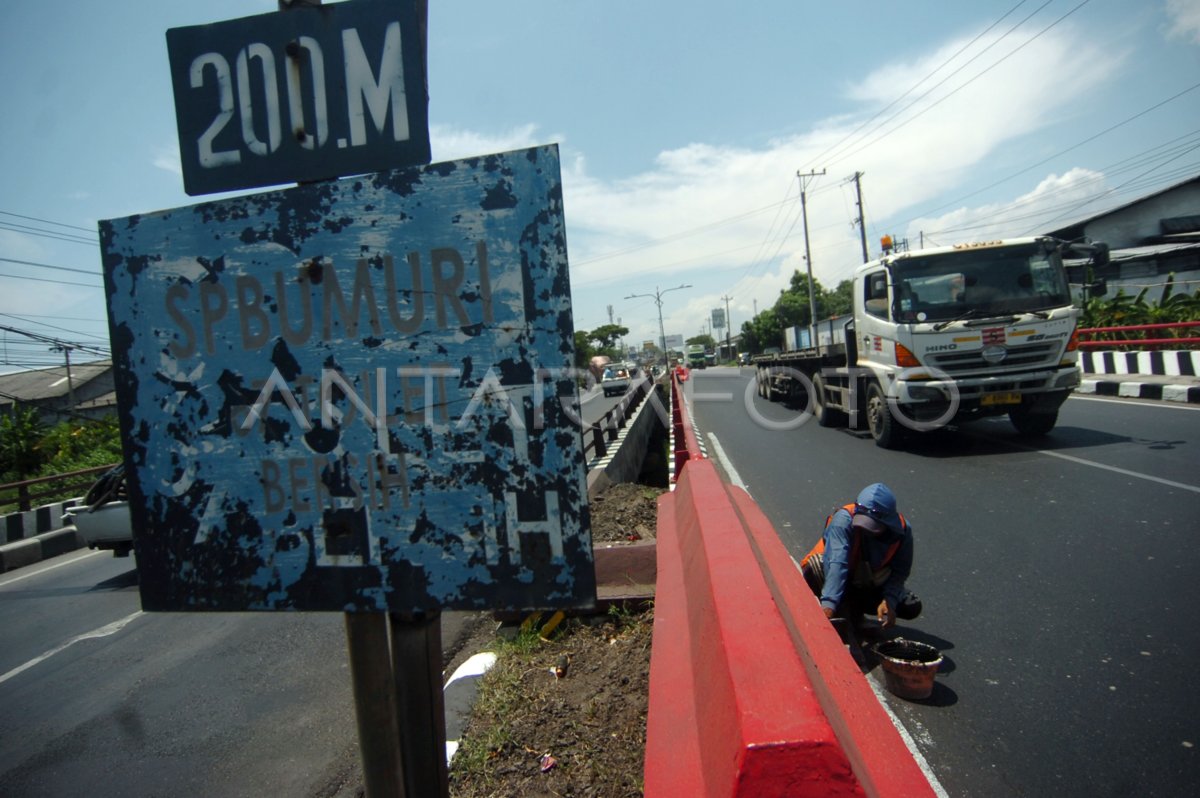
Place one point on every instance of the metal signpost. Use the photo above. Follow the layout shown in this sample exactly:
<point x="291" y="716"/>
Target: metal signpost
<point x="352" y="395"/>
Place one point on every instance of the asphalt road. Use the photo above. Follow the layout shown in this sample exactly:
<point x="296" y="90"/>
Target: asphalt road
<point x="101" y="699"/>
<point x="1058" y="577"/>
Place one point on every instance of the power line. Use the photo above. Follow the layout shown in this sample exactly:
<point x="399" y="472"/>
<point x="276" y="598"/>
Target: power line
<point x="829" y="153"/>
<point x="962" y="86"/>
<point x="30" y="320"/>
<point x="53" y="235"/>
<point x="1117" y="188"/>
<point x="998" y="217"/>
<point x="48" y="221"/>
<point x="1060" y="153"/>
<point x="44" y="280"/>
<point x="58" y="342"/>
<point x="90" y="273"/>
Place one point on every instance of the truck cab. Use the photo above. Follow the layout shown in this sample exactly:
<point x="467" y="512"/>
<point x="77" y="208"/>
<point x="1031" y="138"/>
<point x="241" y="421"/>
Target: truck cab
<point x="963" y="332"/>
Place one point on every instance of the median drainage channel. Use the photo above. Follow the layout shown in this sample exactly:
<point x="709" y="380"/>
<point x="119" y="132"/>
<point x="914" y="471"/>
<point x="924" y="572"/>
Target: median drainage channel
<point x="557" y="702"/>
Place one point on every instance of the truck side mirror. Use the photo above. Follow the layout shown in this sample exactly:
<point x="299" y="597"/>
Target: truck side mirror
<point x="1100" y="255"/>
<point x="1098" y="288"/>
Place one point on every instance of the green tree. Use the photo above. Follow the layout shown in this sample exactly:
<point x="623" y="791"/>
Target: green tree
<point x="77" y="444"/>
<point x="20" y="433"/>
<point x="840" y="300"/>
<point x="583" y="349"/>
<point x="705" y="340"/>
<point x="607" y="335"/>
<point x="762" y="331"/>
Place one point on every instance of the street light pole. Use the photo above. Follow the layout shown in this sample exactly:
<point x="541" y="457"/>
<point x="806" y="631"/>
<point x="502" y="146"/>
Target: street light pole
<point x="662" y="333"/>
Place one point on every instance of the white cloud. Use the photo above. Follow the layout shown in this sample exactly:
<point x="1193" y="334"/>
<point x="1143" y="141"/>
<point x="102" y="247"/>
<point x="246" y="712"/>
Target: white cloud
<point x="714" y="217"/>
<point x="450" y="143"/>
<point x="1057" y="200"/>
<point x="1185" y="19"/>
<point x="167" y="159"/>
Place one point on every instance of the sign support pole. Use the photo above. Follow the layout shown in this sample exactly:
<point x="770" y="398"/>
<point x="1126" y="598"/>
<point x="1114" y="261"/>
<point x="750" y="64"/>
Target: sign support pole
<point x="375" y="705"/>
<point x="398" y="695"/>
<point x="420" y="705"/>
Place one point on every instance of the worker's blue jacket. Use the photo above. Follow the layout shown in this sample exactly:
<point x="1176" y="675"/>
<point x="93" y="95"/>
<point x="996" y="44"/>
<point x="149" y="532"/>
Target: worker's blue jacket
<point x="842" y="557"/>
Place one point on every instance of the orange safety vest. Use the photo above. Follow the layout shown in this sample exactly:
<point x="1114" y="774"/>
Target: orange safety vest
<point x="819" y="549"/>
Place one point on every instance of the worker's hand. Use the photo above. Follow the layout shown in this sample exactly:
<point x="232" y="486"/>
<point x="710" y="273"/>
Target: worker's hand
<point x="828" y="611"/>
<point x="887" y="616"/>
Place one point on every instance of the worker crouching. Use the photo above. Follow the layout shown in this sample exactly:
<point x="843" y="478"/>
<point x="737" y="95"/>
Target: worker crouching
<point x="863" y="560"/>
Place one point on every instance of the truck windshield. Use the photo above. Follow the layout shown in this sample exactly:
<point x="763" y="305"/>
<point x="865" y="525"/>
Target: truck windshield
<point x="999" y="280"/>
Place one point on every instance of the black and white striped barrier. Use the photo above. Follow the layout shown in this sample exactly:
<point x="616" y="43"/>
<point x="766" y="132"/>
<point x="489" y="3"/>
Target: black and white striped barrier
<point x="1172" y="376"/>
<point x="1173" y="363"/>
<point x="34" y="535"/>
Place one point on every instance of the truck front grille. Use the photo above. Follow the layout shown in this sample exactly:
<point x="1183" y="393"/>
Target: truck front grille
<point x="1019" y="358"/>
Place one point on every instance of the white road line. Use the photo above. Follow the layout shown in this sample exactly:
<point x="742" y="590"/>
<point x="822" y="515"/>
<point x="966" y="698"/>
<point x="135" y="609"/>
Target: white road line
<point x="5" y="581"/>
<point x="1114" y="469"/>
<point x="908" y="740"/>
<point x="726" y="465"/>
<point x="1143" y="403"/>
<point x="103" y="631"/>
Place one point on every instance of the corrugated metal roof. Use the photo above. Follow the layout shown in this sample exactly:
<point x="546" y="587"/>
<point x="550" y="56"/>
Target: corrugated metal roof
<point x="1141" y="253"/>
<point x="1151" y="251"/>
<point x="1075" y="229"/>
<point x="49" y="383"/>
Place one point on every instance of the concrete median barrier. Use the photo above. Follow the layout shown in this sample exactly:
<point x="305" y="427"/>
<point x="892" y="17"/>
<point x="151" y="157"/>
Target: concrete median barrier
<point x="751" y="691"/>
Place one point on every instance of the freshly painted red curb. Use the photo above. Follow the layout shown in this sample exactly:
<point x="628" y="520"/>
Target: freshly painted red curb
<point x="882" y="763"/>
<point x="732" y="710"/>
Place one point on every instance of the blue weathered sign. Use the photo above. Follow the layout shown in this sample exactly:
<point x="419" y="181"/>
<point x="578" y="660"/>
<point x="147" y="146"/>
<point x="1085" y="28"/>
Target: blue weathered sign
<point x="299" y="95"/>
<point x="354" y="395"/>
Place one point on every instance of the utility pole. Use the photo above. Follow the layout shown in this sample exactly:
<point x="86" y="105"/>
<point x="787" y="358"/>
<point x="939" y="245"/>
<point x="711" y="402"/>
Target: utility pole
<point x="862" y="223"/>
<point x="728" y="331"/>
<point x="812" y="294"/>
<point x="66" y="350"/>
<point x="662" y="332"/>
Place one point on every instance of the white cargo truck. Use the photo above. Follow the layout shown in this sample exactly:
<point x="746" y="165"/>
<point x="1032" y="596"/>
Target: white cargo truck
<point x="941" y="336"/>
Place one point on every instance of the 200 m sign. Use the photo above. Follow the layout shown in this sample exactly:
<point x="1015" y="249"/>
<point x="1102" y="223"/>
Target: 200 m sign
<point x="299" y="95"/>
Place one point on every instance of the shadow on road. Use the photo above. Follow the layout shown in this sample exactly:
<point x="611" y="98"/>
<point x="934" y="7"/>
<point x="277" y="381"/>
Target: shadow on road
<point x="119" y="582"/>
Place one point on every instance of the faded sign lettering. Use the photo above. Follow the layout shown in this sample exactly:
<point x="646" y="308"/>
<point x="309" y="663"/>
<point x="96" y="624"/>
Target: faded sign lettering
<point x="354" y="395"/>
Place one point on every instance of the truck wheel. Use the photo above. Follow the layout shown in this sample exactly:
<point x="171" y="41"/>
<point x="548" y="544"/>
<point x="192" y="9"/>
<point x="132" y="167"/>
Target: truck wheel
<point x="883" y="426"/>
<point x="1033" y="424"/>
<point x="826" y="416"/>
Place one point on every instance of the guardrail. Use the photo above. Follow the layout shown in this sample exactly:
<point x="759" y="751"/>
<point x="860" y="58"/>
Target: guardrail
<point x="751" y="691"/>
<point x="58" y="486"/>
<point x="604" y="431"/>
<point x="1134" y="330"/>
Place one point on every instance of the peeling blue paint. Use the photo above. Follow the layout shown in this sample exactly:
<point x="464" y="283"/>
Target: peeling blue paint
<point x="255" y="340"/>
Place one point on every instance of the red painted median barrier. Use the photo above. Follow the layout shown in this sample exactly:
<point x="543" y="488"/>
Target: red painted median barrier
<point x="751" y="691"/>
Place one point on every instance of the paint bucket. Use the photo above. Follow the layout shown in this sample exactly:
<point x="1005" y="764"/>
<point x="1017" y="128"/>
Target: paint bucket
<point x="909" y="667"/>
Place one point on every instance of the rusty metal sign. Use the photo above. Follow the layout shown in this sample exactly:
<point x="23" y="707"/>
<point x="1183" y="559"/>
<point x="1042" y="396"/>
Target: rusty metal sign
<point x="354" y="395"/>
<point x="299" y="95"/>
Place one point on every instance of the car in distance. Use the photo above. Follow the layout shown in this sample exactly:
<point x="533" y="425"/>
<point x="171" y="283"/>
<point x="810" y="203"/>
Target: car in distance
<point x="616" y="379"/>
<point x="103" y="519"/>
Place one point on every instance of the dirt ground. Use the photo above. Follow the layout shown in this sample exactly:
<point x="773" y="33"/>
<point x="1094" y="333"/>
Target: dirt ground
<point x="565" y="714"/>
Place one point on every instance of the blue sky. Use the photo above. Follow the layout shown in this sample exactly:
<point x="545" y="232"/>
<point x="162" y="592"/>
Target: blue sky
<point x="682" y="126"/>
